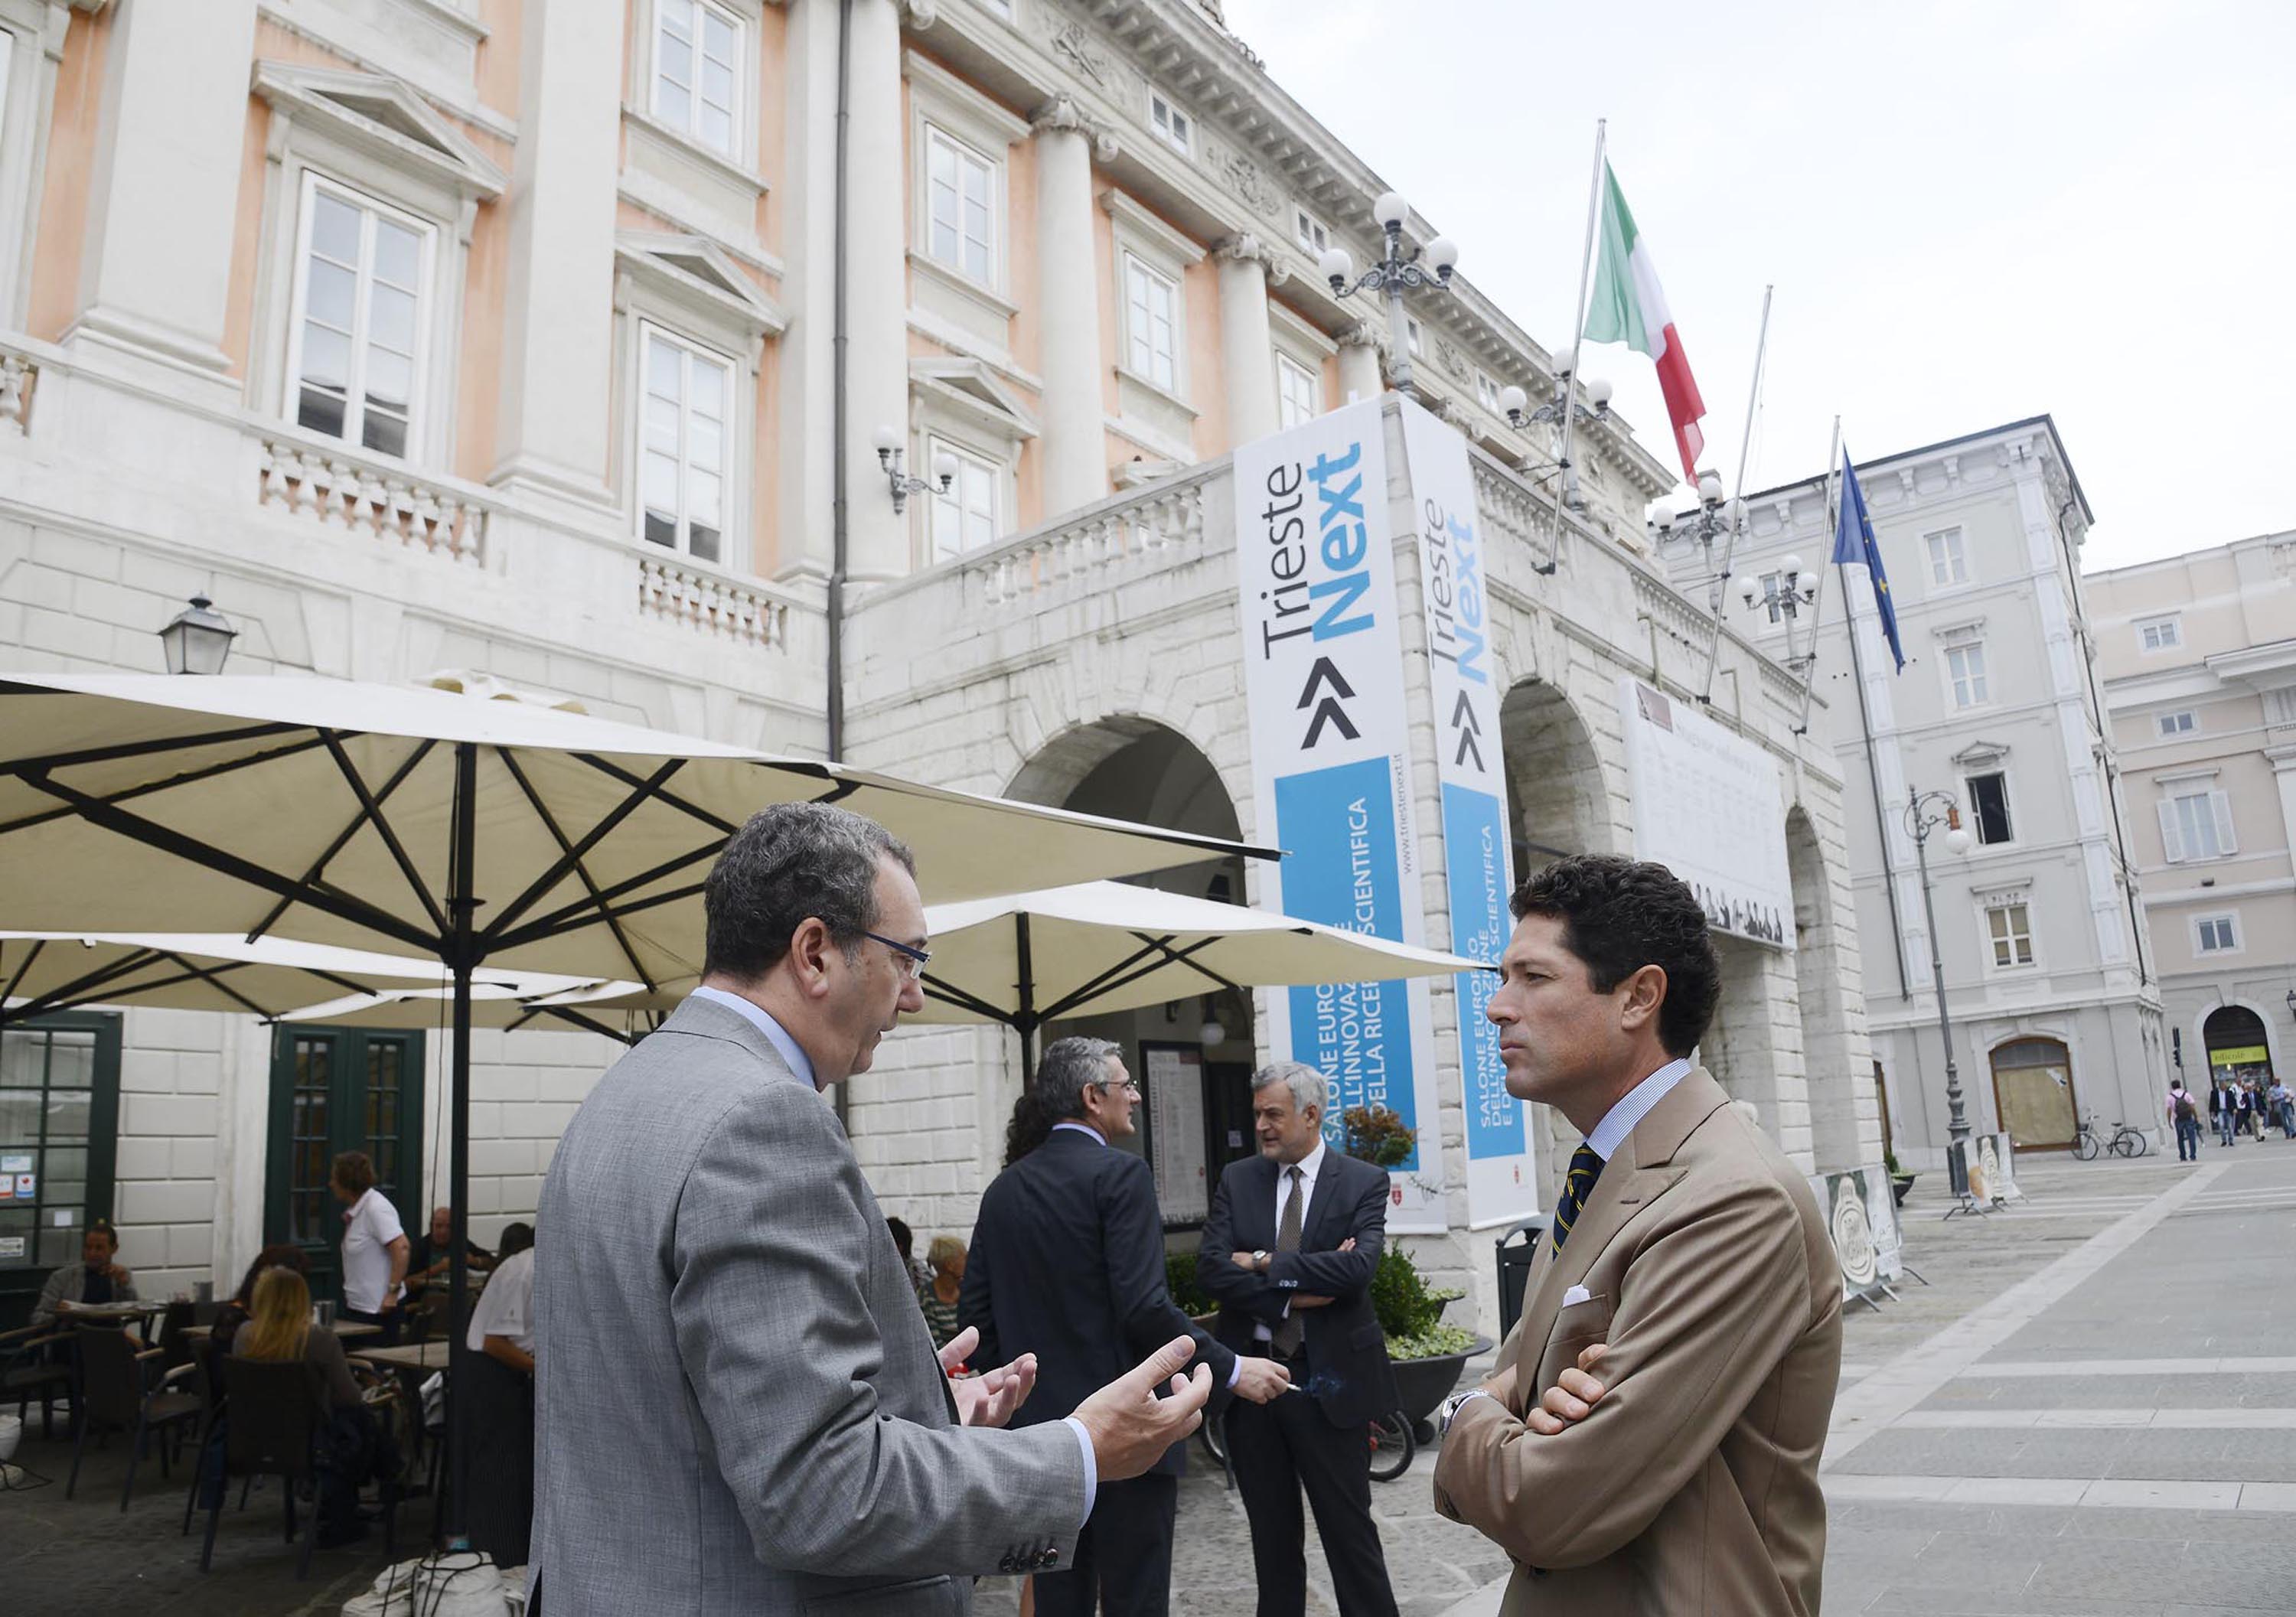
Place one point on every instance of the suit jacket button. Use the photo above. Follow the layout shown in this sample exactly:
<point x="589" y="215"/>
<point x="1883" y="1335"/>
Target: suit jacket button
<point x="1052" y="1558"/>
<point x="1008" y="1564"/>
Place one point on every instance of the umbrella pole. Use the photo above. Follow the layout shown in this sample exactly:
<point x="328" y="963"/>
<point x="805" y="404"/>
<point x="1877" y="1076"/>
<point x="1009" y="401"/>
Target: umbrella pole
<point x="459" y="905"/>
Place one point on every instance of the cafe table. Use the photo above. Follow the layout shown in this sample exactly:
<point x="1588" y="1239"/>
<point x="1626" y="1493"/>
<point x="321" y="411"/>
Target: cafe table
<point x="417" y="1356"/>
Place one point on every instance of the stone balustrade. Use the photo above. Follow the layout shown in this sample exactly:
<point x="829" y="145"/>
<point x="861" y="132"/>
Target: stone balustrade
<point x="20" y="374"/>
<point x="684" y="593"/>
<point x="1160" y="524"/>
<point x="337" y="487"/>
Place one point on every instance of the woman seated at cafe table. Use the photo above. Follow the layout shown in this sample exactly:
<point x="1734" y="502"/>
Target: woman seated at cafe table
<point x="241" y="1308"/>
<point x="356" y="1449"/>
<point x="96" y="1278"/>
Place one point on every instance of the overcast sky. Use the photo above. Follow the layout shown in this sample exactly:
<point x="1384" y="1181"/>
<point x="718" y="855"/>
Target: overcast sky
<point x="1973" y="210"/>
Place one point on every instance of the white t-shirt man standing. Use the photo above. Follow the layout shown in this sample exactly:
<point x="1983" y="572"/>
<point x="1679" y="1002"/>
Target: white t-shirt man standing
<point x="370" y="1270"/>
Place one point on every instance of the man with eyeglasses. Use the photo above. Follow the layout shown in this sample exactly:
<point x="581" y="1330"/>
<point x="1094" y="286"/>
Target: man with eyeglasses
<point x="1067" y="1268"/>
<point x="738" y="1408"/>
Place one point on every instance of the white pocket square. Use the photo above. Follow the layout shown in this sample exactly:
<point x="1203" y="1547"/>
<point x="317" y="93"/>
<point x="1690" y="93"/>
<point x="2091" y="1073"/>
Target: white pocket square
<point x="1576" y="1293"/>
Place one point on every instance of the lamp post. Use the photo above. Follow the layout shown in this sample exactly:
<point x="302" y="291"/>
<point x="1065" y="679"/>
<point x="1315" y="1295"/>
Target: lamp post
<point x="889" y="456"/>
<point x="1514" y="403"/>
<point x="1925" y="812"/>
<point x="1784" y="592"/>
<point x="197" y="639"/>
<point x="1395" y="271"/>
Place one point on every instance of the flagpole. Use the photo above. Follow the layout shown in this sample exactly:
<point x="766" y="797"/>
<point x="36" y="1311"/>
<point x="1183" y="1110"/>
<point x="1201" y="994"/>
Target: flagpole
<point x="1721" y="590"/>
<point x="1818" y="601"/>
<point x="1865" y="731"/>
<point x="1578" y="330"/>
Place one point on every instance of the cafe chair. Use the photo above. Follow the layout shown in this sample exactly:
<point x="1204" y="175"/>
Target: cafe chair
<point x="270" y="1429"/>
<point x="118" y="1393"/>
<point x="35" y="1363"/>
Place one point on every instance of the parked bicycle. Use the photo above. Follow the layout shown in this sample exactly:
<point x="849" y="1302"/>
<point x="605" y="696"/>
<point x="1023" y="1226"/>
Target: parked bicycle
<point x="2125" y="1142"/>
<point x="1390" y="1436"/>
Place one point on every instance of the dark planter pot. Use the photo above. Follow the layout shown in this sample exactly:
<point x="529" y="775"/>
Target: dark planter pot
<point x="1899" y="1183"/>
<point x="1422" y="1384"/>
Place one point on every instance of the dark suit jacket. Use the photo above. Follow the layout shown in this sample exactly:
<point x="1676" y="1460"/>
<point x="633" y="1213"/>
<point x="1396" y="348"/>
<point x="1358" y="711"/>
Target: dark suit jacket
<point x="1067" y="1262"/>
<point x="1348" y="1371"/>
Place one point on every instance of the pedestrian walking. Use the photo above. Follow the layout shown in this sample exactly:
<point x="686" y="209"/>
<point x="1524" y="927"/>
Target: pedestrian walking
<point x="2220" y="1111"/>
<point x="2244" y="1103"/>
<point x="2185" y="1117"/>
<point x="2284" y="1106"/>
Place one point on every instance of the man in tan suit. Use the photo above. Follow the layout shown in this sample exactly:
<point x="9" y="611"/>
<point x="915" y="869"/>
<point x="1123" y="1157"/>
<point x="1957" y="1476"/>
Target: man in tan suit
<point x="1687" y="1264"/>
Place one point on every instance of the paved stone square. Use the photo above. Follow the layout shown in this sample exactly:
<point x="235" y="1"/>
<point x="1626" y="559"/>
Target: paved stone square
<point x="2089" y="1410"/>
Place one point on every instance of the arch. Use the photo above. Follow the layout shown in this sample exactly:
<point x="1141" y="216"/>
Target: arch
<point x="1557" y="796"/>
<point x="1840" y="1137"/>
<point x="2234" y="1024"/>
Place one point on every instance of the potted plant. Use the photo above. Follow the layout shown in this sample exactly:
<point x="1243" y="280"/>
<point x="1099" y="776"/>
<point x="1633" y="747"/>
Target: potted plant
<point x="1899" y="1182"/>
<point x="1187" y="1292"/>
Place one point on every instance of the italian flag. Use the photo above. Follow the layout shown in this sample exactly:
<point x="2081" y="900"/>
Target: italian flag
<point x="1629" y="306"/>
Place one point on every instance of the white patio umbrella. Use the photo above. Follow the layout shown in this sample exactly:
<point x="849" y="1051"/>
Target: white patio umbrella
<point x="268" y="977"/>
<point x="510" y="1006"/>
<point x="469" y="830"/>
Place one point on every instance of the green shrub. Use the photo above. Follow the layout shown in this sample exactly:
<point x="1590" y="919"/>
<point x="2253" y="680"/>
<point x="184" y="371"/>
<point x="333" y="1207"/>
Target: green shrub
<point x="1377" y="1135"/>
<point x="1410" y="1311"/>
<point x="1180" y="1280"/>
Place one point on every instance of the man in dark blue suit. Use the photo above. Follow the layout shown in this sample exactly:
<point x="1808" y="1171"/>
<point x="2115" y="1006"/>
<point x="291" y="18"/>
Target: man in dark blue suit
<point x="1067" y="1263"/>
<point x="1288" y="1249"/>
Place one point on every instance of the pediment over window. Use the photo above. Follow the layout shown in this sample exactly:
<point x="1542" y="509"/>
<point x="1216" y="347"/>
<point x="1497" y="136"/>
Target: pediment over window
<point x="383" y="117"/>
<point x="1982" y="755"/>
<point x="698" y="274"/>
<point x="971" y="390"/>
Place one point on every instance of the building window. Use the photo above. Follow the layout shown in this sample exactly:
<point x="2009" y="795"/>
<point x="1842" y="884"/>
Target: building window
<point x="1965" y="670"/>
<point x="1171" y="124"/>
<point x="965" y="517"/>
<point x="1486" y="392"/>
<point x="1298" y="392"/>
<point x="1948" y="565"/>
<point x="1774" y="594"/>
<point x="682" y="448"/>
<point x="2160" y="634"/>
<point x="960" y="231"/>
<point x="2196" y="824"/>
<point x="2009" y="928"/>
<point x="2180" y="723"/>
<point x="59" y="1130"/>
<point x="2216" y="934"/>
<point x="697" y="47"/>
<point x="1309" y="230"/>
<point x="1989" y="807"/>
<point x="1151" y="303"/>
<point x="359" y="320"/>
<point x="1411" y="333"/>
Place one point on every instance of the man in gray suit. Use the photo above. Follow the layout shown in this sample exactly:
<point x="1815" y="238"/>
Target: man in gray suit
<point x="738" y="1409"/>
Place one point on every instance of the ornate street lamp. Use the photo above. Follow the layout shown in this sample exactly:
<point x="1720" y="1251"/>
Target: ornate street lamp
<point x="1784" y="592"/>
<point x="889" y="456"/>
<point x="197" y="639"/>
<point x="1397" y="270"/>
<point x="1925" y="812"/>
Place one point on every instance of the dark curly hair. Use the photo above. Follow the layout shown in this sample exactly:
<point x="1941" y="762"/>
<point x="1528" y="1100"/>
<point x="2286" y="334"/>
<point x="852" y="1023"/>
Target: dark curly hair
<point x="1621" y="914"/>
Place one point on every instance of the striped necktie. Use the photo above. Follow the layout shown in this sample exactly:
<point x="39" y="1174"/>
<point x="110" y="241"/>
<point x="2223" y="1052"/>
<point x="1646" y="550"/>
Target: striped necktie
<point x="1577" y="1184"/>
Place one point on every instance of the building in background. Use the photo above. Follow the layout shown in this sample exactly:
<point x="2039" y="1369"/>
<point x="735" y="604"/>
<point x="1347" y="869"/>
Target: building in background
<point x="2054" y="1002"/>
<point x="497" y="344"/>
<point x="2198" y="655"/>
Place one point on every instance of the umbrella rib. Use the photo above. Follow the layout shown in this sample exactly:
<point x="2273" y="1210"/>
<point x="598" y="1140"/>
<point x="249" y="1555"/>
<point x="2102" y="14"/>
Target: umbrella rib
<point x="77" y="990"/>
<point x="948" y="994"/>
<point x="1104" y="980"/>
<point x="653" y="788"/>
<point x="145" y="788"/>
<point x="571" y="859"/>
<point x="137" y="829"/>
<point x="588" y="1023"/>
<point x="561" y="919"/>
<point x="371" y="807"/>
<point x="30" y="956"/>
<point x="1186" y="957"/>
<point x="212" y="975"/>
<point x="144" y="749"/>
<point x="343" y="837"/>
<point x="542" y="812"/>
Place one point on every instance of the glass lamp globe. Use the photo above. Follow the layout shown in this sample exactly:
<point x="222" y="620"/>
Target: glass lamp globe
<point x="1598" y="392"/>
<point x="1958" y="841"/>
<point x="1443" y="253"/>
<point x="1513" y="400"/>
<point x="1335" y="264"/>
<point x="1390" y="209"/>
<point x="886" y="439"/>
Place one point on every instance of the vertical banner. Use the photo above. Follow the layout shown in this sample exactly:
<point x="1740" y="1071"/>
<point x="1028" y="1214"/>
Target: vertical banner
<point x="1331" y="765"/>
<point x="1502" y="1185"/>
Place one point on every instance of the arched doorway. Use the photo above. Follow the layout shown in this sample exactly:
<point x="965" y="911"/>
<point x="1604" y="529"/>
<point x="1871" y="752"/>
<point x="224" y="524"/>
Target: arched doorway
<point x="2238" y="1046"/>
<point x="1555" y="793"/>
<point x="1192" y="1058"/>
<point x="2033" y="1094"/>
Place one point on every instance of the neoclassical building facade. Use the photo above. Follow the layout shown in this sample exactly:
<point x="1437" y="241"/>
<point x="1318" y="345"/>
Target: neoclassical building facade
<point x="560" y="346"/>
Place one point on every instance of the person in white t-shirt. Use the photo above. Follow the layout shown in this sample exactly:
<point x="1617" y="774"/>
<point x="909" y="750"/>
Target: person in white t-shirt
<point x="500" y="1519"/>
<point x="374" y="1246"/>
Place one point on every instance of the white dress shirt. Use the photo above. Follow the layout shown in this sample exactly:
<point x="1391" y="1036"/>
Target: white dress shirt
<point x="506" y="1307"/>
<point x="369" y="1228"/>
<point x="776" y="1035"/>
<point x="1633" y="1106"/>
<point x="1309" y="1166"/>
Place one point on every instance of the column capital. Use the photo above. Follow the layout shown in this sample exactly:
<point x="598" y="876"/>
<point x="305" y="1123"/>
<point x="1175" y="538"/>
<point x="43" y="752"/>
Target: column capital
<point x="1062" y="114"/>
<point x="1244" y="246"/>
<point x="1363" y="334"/>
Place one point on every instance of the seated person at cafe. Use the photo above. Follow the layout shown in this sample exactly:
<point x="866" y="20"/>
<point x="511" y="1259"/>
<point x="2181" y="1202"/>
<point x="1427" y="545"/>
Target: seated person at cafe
<point x="938" y="1295"/>
<point x="241" y="1308"/>
<point x="96" y="1278"/>
<point x="500" y="1520"/>
<point x="430" y="1257"/>
<point x="355" y="1448"/>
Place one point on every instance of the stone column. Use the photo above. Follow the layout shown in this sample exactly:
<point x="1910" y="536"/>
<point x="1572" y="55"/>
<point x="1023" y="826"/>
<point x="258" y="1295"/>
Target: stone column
<point x="557" y="361"/>
<point x="1359" y="363"/>
<point x="155" y="269"/>
<point x="1247" y="350"/>
<point x="1075" y="441"/>
<point x="876" y="287"/>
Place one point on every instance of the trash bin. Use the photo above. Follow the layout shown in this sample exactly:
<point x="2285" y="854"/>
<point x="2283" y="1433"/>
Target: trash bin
<point x="1514" y="1256"/>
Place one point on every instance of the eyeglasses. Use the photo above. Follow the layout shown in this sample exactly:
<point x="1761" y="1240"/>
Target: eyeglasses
<point x="912" y="959"/>
<point x="1131" y="1086"/>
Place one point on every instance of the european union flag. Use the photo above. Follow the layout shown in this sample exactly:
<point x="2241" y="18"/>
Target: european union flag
<point x="1853" y="541"/>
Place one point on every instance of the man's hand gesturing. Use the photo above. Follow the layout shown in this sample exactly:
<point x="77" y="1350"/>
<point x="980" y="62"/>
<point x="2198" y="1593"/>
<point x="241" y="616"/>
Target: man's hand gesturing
<point x="990" y="1399"/>
<point x="1130" y="1426"/>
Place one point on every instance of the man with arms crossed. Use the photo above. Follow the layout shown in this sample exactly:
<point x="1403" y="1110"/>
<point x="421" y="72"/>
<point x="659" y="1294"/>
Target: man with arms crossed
<point x="1067" y="1266"/>
<point x="1687" y="1267"/>
<point x="738" y="1408"/>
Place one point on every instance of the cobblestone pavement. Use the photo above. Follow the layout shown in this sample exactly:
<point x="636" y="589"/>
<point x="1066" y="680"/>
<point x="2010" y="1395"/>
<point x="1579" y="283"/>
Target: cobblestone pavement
<point x="2090" y="1410"/>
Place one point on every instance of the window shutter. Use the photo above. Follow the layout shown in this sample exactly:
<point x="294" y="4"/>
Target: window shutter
<point x="2170" y="841"/>
<point x="2222" y="803"/>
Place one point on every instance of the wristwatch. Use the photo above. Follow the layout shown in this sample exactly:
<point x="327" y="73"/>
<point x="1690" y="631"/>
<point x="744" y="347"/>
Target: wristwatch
<point x="1259" y="1260"/>
<point x="1454" y="1404"/>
